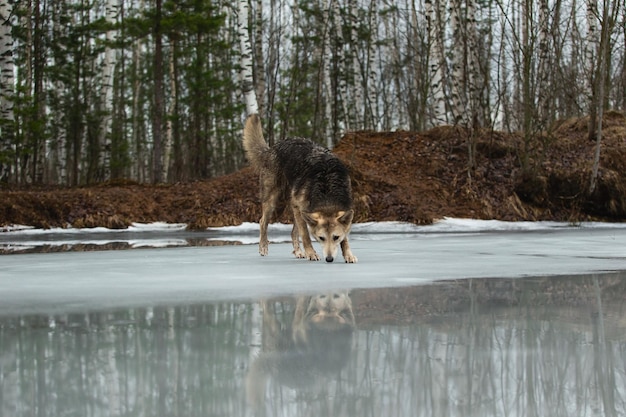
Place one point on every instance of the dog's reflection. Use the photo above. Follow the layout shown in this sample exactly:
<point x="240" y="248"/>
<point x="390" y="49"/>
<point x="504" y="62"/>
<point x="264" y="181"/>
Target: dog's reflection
<point x="315" y="345"/>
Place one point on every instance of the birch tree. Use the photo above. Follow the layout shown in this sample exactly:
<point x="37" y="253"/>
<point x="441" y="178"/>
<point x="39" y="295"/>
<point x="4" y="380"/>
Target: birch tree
<point x="108" y="67"/>
<point x="158" y="109"/>
<point x="325" y="71"/>
<point x="371" y="77"/>
<point x="7" y="83"/>
<point x="592" y="48"/>
<point x="354" y="69"/>
<point x="259" y="57"/>
<point x="436" y="60"/>
<point x="246" y="74"/>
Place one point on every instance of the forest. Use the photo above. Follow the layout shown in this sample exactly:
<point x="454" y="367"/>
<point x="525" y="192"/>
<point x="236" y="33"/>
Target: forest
<point x="150" y="91"/>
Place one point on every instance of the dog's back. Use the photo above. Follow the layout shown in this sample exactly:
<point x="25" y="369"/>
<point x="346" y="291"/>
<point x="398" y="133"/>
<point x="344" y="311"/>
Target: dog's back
<point x="314" y="171"/>
<point x="300" y="166"/>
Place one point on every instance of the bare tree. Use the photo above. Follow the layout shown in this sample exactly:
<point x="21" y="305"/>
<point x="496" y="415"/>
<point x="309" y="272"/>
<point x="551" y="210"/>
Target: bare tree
<point x="610" y="10"/>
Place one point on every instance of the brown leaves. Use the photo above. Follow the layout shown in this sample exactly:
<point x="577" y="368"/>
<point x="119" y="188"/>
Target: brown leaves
<point x="396" y="176"/>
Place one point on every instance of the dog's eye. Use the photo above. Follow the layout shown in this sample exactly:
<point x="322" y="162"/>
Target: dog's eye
<point x="321" y="238"/>
<point x="335" y="238"/>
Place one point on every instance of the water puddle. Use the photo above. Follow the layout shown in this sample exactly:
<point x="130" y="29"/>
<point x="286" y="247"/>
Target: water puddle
<point x="476" y="347"/>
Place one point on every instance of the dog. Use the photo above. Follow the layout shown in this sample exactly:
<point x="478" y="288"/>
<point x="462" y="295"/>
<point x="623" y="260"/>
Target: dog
<point x="313" y="181"/>
<point x="307" y="350"/>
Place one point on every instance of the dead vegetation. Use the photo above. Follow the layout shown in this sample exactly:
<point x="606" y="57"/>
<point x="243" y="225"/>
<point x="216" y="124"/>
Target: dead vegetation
<point x="406" y="176"/>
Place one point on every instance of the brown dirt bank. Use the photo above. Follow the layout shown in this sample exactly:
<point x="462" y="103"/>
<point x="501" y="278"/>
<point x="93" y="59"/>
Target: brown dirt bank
<point x="407" y="176"/>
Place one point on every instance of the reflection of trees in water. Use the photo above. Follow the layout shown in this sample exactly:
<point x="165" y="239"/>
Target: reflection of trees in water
<point x="464" y="357"/>
<point x="531" y="359"/>
<point x="186" y="361"/>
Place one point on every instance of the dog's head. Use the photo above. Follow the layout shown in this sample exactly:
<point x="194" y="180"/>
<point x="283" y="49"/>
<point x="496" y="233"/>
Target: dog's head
<point x="329" y="229"/>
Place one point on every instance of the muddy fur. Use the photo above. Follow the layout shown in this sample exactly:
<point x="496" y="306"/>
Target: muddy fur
<point x="313" y="181"/>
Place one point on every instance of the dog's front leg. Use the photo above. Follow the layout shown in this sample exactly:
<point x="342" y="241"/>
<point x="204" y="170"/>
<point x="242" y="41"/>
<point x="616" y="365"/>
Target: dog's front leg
<point x="310" y="253"/>
<point x="295" y="240"/>
<point x="347" y="253"/>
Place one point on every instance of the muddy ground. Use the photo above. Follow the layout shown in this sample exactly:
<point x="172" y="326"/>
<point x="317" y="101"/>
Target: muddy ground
<point x="406" y="176"/>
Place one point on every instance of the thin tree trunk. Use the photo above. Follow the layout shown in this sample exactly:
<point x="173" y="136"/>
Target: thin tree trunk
<point x="609" y="14"/>
<point x="39" y="99"/>
<point x="108" y="68"/>
<point x="258" y="57"/>
<point x="436" y="61"/>
<point x="591" y="59"/>
<point x="326" y="70"/>
<point x="339" y="65"/>
<point x="157" y="118"/>
<point x="354" y="71"/>
<point x="139" y="165"/>
<point x="7" y="118"/>
<point x="527" y="98"/>
<point x="171" y="112"/>
<point x="247" y="79"/>
<point x="458" y="93"/>
<point x="371" y="108"/>
<point x="544" y="68"/>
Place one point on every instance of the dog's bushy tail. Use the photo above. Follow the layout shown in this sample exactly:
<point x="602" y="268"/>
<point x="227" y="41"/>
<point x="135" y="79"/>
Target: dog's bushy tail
<point x="255" y="146"/>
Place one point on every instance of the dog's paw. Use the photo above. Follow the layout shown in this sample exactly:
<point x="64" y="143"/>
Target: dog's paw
<point x="299" y="254"/>
<point x="312" y="256"/>
<point x="350" y="258"/>
<point x="263" y="250"/>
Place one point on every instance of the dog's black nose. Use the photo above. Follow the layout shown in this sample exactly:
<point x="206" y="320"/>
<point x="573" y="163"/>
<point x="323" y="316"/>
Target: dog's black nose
<point x="329" y="259"/>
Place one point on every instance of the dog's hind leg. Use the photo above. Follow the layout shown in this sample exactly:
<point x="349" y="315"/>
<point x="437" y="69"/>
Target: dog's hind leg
<point x="268" y="206"/>
<point x="295" y="239"/>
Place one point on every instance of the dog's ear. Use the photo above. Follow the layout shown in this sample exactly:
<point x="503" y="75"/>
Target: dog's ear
<point x="345" y="217"/>
<point x="311" y="218"/>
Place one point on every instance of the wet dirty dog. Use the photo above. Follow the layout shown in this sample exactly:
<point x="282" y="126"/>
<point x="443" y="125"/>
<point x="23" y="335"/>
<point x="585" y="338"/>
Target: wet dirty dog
<point x="313" y="181"/>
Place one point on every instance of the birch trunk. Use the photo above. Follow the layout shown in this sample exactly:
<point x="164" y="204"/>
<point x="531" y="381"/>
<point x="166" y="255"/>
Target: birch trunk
<point x="592" y="46"/>
<point x="527" y="98"/>
<point x="342" y="92"/>
<point x="58" y="156"/>
<point x="354" y="72"/>
<point x="157" y="118"/>
<point x="371" y="109"/>
<point x="274" y="52"/>
<point x="326" y="68"/>
<point x="436" y="61"/>
<point x="247" y="78"/>
<point x="171" y="111"/>
<point x="543" y="67"/>
<point x="108" y="68"/>
<point x="458" y="90"/>
<point x="140" y="165"/>
<point x="7" y="83"/>
<point x="258" y="57"/>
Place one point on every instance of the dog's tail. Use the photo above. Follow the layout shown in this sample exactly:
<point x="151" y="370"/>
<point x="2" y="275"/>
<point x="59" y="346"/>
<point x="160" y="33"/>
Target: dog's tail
<point x="255" y="146"/>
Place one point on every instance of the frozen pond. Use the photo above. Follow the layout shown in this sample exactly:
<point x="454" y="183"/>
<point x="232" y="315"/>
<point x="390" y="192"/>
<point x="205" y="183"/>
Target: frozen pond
<point x="457" y="319"/>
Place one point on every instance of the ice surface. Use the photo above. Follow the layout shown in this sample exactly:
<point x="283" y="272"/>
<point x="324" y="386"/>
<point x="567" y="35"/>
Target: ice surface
<point x="390" y="254"/>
